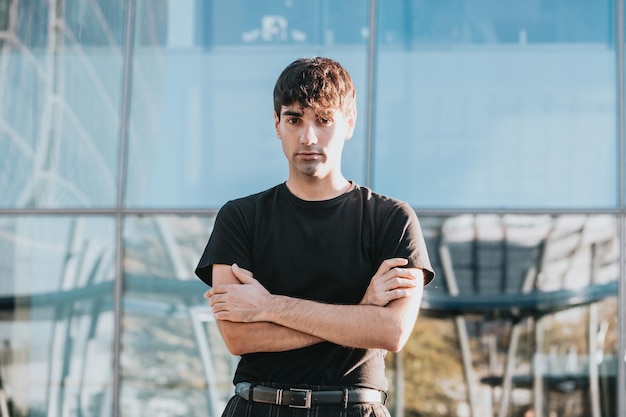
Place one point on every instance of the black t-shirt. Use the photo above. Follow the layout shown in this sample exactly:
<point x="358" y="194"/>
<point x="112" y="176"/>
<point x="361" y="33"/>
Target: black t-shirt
<point x="325" y="251"/>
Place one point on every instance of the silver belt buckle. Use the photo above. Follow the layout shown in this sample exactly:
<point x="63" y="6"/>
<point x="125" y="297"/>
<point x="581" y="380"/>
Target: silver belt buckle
<point x="307" y="398"/>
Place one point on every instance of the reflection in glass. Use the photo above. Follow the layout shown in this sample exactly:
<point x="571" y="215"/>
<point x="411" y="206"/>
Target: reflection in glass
<point x="501" y="103"/>
<point x="173" y="359"/>
<point x="522" y="315"/>
<point x="276" y="22"/>
<point x="60" y="78"/>
<point x="203" y="75"/>
<point x="479" y="103"/>
<point x="56" y="318"/>
<point x="480" y="22"/>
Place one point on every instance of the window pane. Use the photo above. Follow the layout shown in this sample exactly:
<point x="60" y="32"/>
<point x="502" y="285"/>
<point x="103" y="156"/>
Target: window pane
<point x="202" y="125"/>
<point x="174" y="361"/>
<point x="59" y="109"/>
<point x="497" y="104"/>
<point x="257" y="22"/>
<point x="56" y="317"/>
<point x="536" y="293"/>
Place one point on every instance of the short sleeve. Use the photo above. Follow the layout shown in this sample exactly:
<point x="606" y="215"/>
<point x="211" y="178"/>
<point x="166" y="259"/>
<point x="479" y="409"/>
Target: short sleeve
<point x="230" y="242"/>
<point x="401" y="237"/>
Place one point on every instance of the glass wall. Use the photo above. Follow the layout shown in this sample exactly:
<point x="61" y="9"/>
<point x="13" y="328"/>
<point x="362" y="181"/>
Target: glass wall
<point x="503" y="103"/>
<point x="173" y="360"/>
<point x="203" y="75"/>
<point x="56" y="315"/>
<point x="523" y="317"/>
<point x="60" y="86"/>
<point x="126" y="124"/>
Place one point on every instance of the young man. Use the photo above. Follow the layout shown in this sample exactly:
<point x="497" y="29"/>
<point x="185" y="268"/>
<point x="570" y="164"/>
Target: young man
<point x="316" y="278"/>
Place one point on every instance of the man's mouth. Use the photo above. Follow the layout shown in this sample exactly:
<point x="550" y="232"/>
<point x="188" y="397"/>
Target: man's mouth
<point x="309" y="155"/>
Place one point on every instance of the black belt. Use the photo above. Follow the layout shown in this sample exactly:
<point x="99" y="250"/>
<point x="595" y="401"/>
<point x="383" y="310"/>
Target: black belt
<point x="306" y="398"/>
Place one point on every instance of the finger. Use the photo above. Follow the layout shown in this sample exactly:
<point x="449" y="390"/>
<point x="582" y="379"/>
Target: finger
<point x="389" y="264"/>
<point x="243" y="270"/>
<point x="243" y="275"/>
<point x="218" y="304"/>
<point x="399" y="293"/>
<point x="218" y="289"/>
<point x="213" y="300"/>
<point x="403" y="272"/>
<point x="222" y="315"/>
<point x="411" y="273"/>
<point x="400" y="283"/>
<point x="396" y="273"/>
<point x="213" y="291"/>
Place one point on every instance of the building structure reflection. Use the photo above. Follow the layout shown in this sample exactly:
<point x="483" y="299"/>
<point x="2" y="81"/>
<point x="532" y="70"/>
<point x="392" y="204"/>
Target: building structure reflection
<point x="501" y="107"/>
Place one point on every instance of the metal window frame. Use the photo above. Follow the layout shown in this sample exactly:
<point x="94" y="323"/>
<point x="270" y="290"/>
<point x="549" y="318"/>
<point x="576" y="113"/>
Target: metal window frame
<point x="120" y="212"/>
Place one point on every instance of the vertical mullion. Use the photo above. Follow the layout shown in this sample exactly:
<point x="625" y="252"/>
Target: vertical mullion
<point x="371" y="93"/>
<point x="121" y="191"/>
<point x="621" y="353"/>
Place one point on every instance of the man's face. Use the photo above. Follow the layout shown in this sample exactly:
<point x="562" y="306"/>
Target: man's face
<point x="311" y="142"/>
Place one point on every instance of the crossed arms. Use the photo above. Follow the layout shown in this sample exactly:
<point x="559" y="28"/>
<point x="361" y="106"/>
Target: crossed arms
<point x="250" y="319"/>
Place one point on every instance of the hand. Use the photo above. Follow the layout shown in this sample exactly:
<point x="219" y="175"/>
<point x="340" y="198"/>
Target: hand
<point x="244" y="303"/>
<point x="390" y="283"/>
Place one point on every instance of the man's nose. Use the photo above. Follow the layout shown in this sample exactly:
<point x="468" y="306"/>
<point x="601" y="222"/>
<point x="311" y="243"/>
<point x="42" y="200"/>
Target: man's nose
<point x="308" y="136"/>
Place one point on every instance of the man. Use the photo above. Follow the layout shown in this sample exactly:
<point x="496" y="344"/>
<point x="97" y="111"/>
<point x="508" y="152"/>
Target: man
<point x="316" y="278"/>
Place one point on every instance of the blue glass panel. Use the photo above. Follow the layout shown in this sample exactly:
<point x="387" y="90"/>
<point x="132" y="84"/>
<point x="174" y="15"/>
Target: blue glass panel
<point x="250" y="22"/>
<point x="526" y="122"/>
<point x="457" y="22"/>
<point x="202" y="128"/>
<point x="59" y="118"/>
<point x="56" y="315"/>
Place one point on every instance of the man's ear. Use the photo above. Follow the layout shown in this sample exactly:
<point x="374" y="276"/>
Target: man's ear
<point x="351" y="120"/>
<point x="276" y="123"/>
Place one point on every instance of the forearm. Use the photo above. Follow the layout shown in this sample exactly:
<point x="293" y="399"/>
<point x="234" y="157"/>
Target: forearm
<point x="242" y="338"/>
<point x="357" y="326"/>
<point x="384" y="319"/>
<point x="385" y="326"/>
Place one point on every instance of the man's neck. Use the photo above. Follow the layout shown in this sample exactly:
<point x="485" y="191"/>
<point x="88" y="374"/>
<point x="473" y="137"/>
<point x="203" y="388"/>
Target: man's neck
<point x="315" y="189"/>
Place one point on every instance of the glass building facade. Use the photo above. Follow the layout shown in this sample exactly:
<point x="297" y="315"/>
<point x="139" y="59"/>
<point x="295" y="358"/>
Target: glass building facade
<point x="126" y="124"/>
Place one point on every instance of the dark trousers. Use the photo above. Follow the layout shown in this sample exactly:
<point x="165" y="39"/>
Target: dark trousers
<point x="238" y="407"/>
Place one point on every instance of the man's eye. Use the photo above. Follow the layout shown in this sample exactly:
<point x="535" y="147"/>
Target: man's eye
<point x="293" y="120"/>
<point x="326" y="122"/>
